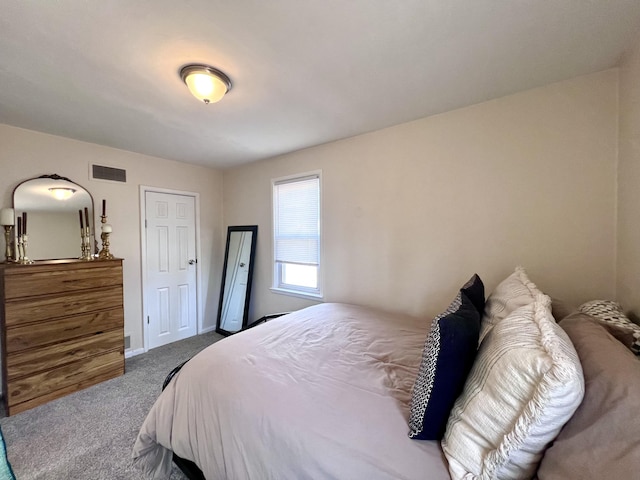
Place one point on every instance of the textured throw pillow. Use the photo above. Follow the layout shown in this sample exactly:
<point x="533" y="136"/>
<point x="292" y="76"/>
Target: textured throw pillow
<point x="525" y="384"/>
<point x="474" y="289"/>
<point x="611" y="312"/>
<point x="513" y="292"/>
<point x="602" y="439"/>
<point x="447" y="357"/>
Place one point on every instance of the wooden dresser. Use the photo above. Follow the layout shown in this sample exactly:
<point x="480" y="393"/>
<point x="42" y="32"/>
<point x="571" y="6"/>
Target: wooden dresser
<point x="62" y="324"/>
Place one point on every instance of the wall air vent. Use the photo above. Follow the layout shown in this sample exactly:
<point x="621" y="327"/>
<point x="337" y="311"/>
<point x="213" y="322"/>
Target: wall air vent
<point x="100" y="172"/>
<point x="127" y="342"/>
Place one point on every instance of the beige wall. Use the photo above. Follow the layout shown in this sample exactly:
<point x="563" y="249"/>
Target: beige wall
<point x="25" y="154"/>
<point x="628" y="261"/>
<point x="411" y="211"/>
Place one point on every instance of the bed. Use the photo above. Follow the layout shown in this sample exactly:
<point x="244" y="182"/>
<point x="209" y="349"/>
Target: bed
<point x="320" y="393"/>
<point x="339" y="391"/>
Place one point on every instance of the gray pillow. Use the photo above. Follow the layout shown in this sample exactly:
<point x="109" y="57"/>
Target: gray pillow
<point x="602" y="439"/>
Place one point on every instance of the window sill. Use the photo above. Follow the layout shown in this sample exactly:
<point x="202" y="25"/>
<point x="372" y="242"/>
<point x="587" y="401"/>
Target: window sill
<point x="295" y="293"/>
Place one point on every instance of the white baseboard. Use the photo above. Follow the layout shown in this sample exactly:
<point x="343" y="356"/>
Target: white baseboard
<point x="133" y="353"/>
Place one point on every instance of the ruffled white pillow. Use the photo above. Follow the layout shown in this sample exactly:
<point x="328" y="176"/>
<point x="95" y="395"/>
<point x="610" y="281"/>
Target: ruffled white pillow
<point x="525" y="384"/>
<point x="513" y="292"/>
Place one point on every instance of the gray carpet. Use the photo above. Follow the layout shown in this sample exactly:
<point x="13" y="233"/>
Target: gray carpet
<point x="89" y="435"/>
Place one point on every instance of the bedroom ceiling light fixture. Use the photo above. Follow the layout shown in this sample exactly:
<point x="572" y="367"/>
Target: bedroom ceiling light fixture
<point x="62" y="193"/>
<point x="206" y="83"/>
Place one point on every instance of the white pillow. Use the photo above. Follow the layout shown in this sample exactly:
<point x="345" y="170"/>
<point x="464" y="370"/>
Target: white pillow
<point x="524" y="386"/>
<point x="513" y="292"/>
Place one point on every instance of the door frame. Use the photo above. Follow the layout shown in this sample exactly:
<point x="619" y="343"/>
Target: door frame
<point x="143" y="257"/>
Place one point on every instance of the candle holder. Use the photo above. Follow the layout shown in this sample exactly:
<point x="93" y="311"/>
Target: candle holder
<point x="8" y="240"/>
<point x="105" y="254"/>
<point x="82" y="244"/>
<point x="19" y="250"/>
<point x="86" y="244"/>
<point x="22" y="249"/>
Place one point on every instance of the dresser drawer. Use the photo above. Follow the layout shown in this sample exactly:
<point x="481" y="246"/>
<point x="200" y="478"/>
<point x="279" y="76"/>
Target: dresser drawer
<point x="29" y="361"/>
<point x="19" y="312"/>
<point x="72" y="376"/>
<point x="44" y="280"/>
<point x="61" y="329"/>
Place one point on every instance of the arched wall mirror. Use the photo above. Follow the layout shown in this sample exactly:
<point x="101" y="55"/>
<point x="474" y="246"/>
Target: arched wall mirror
<point x="235" y="291"/>
<point x="52" y="204"/>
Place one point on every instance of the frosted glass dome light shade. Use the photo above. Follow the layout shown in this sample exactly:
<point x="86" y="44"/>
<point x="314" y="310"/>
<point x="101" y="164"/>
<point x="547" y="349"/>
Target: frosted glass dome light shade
<point x="62" y="193"/>
<point x="206" y="83"/>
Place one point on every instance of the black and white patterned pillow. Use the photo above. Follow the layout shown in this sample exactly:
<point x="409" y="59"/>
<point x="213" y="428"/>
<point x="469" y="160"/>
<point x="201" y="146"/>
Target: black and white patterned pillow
<point x="611" y="312"/>
<point x="448" y="355"/>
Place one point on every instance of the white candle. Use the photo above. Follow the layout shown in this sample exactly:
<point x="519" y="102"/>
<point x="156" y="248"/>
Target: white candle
<point x="6" y="216"/>
<point x="106" y="228"/>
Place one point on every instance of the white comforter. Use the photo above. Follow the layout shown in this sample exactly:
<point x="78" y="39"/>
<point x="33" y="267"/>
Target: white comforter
<point x="322" y="393"/>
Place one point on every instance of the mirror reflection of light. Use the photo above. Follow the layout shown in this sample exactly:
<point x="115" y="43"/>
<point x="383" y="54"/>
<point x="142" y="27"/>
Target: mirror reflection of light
<point x="61" y="193"/>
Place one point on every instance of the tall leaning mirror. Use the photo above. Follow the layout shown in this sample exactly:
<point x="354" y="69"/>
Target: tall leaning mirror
<point x="235" y="292"/>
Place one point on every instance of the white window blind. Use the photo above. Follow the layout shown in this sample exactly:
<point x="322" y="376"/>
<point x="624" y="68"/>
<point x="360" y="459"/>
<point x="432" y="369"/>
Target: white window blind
<point x="297" y="221"/>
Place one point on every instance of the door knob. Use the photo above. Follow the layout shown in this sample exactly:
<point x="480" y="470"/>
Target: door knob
<point x="192" y="262"/>
<point x="242" y="264"/>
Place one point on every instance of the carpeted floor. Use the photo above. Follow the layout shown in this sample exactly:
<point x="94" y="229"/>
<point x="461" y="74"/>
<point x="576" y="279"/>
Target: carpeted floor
<point x="89" y="435"/>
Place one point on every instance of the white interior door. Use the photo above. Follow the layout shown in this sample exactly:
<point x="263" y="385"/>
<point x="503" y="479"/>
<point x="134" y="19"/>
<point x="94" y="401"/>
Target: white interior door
<point x="171" y="267"/>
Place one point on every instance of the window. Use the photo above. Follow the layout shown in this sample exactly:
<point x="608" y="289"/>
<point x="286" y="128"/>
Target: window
<point x="296" y="235"/>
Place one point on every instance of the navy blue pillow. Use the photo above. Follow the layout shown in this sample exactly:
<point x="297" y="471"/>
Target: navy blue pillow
<point x="474" y="289"/>
<point x="447" y="358"/>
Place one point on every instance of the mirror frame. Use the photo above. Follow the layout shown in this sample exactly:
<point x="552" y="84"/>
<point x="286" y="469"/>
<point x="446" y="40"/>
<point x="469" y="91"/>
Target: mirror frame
<point x="55" y="176"/>
<point x="245" y="316"/>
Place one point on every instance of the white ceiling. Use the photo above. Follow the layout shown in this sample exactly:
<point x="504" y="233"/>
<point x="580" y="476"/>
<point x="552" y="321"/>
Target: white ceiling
<point x="303" y="72"/>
